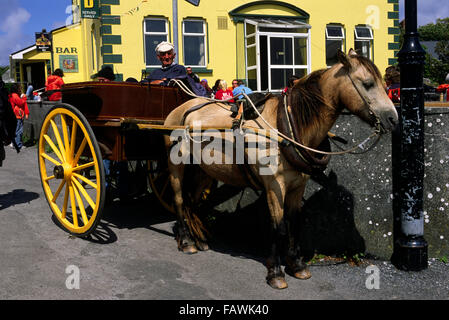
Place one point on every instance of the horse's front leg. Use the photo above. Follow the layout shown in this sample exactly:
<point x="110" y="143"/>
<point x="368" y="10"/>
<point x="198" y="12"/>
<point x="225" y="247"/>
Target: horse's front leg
<point x="295" y="265"/>
<point x="275" y="277"/>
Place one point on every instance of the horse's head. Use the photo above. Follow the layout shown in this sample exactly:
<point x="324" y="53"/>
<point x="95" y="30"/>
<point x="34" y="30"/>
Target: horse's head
<point x="362" y="91"/>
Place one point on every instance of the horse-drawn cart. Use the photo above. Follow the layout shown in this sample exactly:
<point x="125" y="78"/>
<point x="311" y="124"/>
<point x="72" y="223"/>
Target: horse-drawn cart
<point x="96" y="121"/>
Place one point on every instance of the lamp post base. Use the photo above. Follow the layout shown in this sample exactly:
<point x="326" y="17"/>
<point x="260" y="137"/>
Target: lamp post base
<point x="410" y="254"/>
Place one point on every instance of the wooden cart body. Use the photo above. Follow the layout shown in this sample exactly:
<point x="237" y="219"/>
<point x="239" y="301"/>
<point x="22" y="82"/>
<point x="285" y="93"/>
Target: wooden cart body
<point x="109" y="105"/>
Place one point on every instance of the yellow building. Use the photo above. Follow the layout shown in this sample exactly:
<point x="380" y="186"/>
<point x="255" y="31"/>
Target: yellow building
<point x="263" y="42"/>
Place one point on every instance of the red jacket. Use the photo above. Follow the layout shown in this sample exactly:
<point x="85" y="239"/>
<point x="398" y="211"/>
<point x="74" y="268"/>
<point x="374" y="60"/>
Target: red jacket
<point x="224" y="95"/>
<point x="19" y="105"/>
<point x="54" y="83"/>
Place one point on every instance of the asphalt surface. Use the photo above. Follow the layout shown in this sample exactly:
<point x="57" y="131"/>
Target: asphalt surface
<point x="133" y="256"/>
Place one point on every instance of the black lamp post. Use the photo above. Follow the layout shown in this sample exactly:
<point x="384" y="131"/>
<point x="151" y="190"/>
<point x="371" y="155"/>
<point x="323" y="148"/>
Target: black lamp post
<point x="410" y="247"/>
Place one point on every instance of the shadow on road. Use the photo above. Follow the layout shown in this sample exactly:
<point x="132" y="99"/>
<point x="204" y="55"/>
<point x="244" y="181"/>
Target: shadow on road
<point x="17" y="196"/>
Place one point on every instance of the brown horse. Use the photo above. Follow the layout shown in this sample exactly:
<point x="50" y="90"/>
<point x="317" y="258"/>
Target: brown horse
<point x="312" y="106"/>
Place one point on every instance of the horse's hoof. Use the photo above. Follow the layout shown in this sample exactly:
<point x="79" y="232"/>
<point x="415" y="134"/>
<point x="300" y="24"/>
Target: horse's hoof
<point x="202" y="246"/>
<point x="303" y="274"/>
<point x="277" y="283"/>
<point x="189" y="249"/>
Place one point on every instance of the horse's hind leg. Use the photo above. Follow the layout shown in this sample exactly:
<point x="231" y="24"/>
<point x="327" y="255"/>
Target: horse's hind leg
<point x="183" y="238"/>
<point x="275" y="277"/>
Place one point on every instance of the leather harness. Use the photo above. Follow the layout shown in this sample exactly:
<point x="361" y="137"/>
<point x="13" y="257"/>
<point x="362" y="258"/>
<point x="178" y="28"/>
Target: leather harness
<point x="299" y="158"/>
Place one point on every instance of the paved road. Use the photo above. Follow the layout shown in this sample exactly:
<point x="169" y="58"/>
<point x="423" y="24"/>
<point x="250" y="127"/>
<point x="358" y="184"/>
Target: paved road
<point x="134" y="256"/>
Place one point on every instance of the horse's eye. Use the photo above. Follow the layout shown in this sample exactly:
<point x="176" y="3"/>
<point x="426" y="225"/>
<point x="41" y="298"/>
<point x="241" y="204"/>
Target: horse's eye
<point x="368" y="84"/>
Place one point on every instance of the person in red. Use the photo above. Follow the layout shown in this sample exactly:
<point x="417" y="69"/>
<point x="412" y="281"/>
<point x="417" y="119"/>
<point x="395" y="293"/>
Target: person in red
<point x="224" y="93"/>
<point x="19" y="105"/>
<point x="55" y="82"/>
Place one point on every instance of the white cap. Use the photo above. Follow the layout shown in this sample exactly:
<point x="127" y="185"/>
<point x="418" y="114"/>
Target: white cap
<point x="164" y="46"/>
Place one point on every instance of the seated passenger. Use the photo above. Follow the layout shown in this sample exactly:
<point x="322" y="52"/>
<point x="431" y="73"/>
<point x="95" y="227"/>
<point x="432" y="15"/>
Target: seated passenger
<point x="165" y="52"/>
<point x="224" y="93"/>
<point x="106" y="74"/>
<point x="241" y="88"/>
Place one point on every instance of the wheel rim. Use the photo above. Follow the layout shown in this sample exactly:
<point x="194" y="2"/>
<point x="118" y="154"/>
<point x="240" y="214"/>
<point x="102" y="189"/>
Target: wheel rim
<point x="71" y="170"/>
<point x="158" y="177"/>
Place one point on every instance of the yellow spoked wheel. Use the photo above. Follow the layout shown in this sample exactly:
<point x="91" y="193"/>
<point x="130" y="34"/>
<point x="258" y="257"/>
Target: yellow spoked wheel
<point x="71" y="170"/>
<point x="160" y="184"/>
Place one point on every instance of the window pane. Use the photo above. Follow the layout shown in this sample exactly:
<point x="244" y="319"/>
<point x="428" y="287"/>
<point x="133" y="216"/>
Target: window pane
<point x="151" y="41"/>
<point x="281" y="51"/>
<point x="362" y="48"/>
<point x="155" y="26"/>
<point x="334" y="31"/>
<point x="251" y="56"/>
<point x="193" y="27"/>
<point x="300" y="72"/>
<point x="332" y="47"/>
<point x="250" y="29"/>
<point x="363" y="32"/>
<point x="252" y="79"/>
<point x="250" y="40"/>
<point x="279" y="78"/>
<point x="300" y="51"/>
<point x="194" y="51"/>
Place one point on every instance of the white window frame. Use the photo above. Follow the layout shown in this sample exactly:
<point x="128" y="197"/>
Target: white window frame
<point x="149" y="33"/>
<point x="363" y="38"/>
<point x="203" y="34"/>
<point x="369" y="39"/>
<point x="341" y="38"/>
<point x="328" y="37"/>
<point x="270" y="35"/>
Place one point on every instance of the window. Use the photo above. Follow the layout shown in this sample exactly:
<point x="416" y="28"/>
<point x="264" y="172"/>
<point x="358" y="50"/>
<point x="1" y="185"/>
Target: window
<point x="155" y="31"/>
<point x="335" y="38"/>
<point x="194" y="40"/>
<point x="276" y="49"/>
<point x="363" y="41"/>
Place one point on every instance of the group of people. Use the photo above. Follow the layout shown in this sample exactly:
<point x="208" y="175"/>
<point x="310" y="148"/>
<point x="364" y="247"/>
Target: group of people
<point x="166" y="54"/>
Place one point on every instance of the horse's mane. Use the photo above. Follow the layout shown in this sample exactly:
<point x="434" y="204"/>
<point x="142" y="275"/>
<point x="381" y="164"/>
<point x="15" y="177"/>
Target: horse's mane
<point x="306" y="92"/>
<point x="306" y="95"/>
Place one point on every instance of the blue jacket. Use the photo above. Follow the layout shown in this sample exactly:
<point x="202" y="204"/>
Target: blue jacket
<point x="237" y="91"/>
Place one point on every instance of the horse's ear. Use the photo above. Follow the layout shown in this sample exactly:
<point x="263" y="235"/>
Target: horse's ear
<point x="352" y="53"/>
<point x="343" y="59"/>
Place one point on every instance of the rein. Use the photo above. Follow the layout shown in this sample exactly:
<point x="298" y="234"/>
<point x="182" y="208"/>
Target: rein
<point x="293" y="141"/>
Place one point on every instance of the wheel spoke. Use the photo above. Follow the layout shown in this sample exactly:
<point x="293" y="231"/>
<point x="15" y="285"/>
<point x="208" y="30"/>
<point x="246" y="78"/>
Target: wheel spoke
<point x="53" y="147"/>
<point x="65" y="204"/>
<point x="49" y="178"/>
<point x="73" y="138"/>
<point x="58" y="139"/>
<point x="84" y="193"/>
<point x="84" y="179"/>
<point x="73" y="204"/>
<point x="80" y="151"/>
<point x="56" y="195"/>
<point x="65" y="134"/>
<point x="46" y="156"/>
<point x="80" y="205"/>
<point x="84" y="166"/>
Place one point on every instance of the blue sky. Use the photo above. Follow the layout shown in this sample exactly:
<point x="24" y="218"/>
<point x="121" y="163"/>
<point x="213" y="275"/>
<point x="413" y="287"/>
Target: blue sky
<point x="20" y="19"/>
